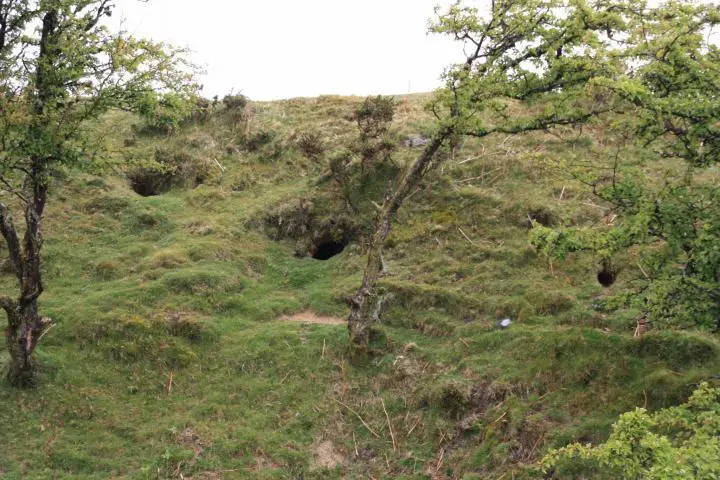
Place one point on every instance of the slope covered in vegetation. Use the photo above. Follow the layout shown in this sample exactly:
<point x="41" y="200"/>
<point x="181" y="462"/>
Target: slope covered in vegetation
<point x="179" y="351"/>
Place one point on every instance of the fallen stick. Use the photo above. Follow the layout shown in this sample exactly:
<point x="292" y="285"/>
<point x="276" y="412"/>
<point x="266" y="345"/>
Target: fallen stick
<point x="413" y="427"/>
<point x="392" y="435"/>
<point x="439" y="463"/>
<point x="359" y="418"/>
<point x="466" y="237"/>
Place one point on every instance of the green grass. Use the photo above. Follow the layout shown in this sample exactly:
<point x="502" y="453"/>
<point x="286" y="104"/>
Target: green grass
<point x="170" y="357"/>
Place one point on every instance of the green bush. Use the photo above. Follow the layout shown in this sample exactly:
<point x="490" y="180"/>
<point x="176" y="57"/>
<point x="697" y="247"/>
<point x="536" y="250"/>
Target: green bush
<point x="169" y="169"/>
<point x="165" y="113"/>
<point x="675" y="443"/>
<point x="375" y="115"/>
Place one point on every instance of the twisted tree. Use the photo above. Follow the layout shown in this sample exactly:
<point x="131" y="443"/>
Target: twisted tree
<point x="528" y="65"/>
<point x="59" y="68"/>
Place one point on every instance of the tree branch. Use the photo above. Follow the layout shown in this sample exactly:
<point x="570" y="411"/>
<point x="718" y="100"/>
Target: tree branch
<point x="7" y="228"/>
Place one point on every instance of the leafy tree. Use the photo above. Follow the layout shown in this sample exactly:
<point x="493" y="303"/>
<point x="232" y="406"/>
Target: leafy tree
<point x="675" y="443"/>
<point x="59" y="68"/>
<point x="667" y="103"/>
<point x="527" y="69"/>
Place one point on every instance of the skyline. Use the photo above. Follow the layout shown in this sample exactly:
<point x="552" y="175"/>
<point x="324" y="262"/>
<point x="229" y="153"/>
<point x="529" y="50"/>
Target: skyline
<point x="262" y="50"/>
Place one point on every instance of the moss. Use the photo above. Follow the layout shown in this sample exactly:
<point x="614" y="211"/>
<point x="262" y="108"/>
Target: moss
<point x="679" y="350"/>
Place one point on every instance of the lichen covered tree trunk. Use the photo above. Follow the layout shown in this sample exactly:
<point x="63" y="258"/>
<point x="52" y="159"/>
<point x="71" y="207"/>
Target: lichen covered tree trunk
<point x="25" y="325"/>
<point x="364" y="305"/>
<point x="25" y="328"/>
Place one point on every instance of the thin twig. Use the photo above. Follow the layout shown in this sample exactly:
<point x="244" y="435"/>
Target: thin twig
<point x="357" y="454"/>
<point x="45" y="332"/>
<point x="170" y="383"/>
<point x="643" y="271"/>
<point x="500" y="417"/>
<point x="439" y="463"/>
<point x="466" y="237"/>
<point x="359" y="418"/>
<point x="413" y="427"/>
<point x="322" y="355"/>
<point x="469" y="159"/>
<point x="392" y="435"/>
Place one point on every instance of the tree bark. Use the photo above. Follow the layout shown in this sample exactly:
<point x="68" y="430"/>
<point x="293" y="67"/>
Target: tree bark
<point x="364" y="304"/>
<point x="25" y="325"/>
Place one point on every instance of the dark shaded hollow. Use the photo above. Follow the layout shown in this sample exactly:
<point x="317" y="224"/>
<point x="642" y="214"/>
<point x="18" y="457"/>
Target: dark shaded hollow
<point x="606" y="277"/>
<point x="545" y="218"/>
<point x="145" y="189"/>
<point x="327" y="249"/>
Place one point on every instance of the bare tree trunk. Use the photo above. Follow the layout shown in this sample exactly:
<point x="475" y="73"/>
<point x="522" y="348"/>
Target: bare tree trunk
<point x="25" y="328"/>
<point x="364" y="304"/>
<point x="25" y="325"/>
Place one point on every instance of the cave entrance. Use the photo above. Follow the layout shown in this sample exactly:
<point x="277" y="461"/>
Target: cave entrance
<point x="145" y="189"/>
<point x="327" y="249"/>
<point x="606" y="277"/>
<point x="147" y="183"/>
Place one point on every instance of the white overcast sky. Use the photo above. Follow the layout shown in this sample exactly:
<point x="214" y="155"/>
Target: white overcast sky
<point x="271" y="49"/>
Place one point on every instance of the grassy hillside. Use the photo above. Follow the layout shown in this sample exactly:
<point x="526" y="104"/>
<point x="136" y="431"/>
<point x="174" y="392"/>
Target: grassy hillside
<point x="183" y="347"/>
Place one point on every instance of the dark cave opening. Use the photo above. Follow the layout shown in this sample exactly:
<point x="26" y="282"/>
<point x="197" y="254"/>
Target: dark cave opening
<point x="606" y="277"/>
<point x="327" y="249"/>
<point x="145" y="189"/>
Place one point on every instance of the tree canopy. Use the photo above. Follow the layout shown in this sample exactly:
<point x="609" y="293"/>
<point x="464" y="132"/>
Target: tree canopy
<point x="666" y="103"/>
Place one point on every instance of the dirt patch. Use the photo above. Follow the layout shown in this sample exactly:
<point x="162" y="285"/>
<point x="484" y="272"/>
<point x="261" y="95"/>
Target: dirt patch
<point x="263" y="462"/>
<point x="188" y="438"/>
<point x="310" y="317"/>
<point x="327" y="457"/>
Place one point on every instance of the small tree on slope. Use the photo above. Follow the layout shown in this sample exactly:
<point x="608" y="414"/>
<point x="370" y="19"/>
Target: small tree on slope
<point x="59" y="68"/>
<point x="540" y="54"/>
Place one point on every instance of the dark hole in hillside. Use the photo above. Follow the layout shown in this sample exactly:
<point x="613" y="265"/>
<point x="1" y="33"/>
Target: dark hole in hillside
<point x="544" y="217"/>
<point x="606" y="277"/>
<point x="149" y="184"/>
<point x="327" y="249"/>
<point x="144" y="189"/>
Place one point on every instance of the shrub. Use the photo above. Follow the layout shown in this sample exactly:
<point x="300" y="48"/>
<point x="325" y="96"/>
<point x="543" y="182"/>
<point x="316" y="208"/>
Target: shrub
<point x="374" y="116"/>
<point x="235" y="102"/>
<point x="311" y="144"/>
<point x="165" y="113"/>
<point x="236" y="110"/>
<point x="674" y="443"/>
<point x="167" y="170"/>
